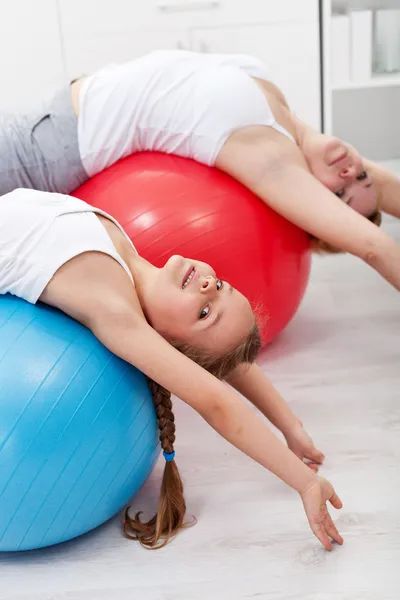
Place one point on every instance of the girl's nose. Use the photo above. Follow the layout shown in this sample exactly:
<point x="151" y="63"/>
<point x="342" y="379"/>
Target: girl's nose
<point x="208" y="284"/>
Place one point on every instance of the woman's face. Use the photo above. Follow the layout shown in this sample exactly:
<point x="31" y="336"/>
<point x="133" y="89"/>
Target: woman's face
<point x="185" y="301"/>
<point x="339" y="167"/>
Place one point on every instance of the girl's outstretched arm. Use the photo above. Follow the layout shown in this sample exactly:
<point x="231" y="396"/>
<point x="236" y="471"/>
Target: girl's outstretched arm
<point x="280" y="177"/>
<point x="256" y="387"/>
<point x="140" y="345"/>
<point x="94" y="289"/>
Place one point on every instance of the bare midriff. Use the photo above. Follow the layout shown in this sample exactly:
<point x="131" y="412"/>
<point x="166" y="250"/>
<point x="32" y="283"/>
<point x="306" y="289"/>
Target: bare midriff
<point x="75" y="90"/>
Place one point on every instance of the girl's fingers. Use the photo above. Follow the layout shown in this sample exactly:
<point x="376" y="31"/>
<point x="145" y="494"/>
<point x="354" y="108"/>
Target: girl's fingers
<point x="312" y="466"/>
<point x="320" y="533"/>
<point x="315" y="455"/>
<point x="335" y="500"/>
<point x="332" y="531"/>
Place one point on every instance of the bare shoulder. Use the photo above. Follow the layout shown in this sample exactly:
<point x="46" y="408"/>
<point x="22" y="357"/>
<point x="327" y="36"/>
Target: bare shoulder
<point x="93" y="286"/>
<point x="251" y="152"/>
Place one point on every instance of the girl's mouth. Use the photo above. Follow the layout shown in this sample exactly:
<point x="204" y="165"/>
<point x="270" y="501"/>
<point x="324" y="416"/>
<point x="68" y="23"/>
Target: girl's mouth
<point x="189" y="276"/>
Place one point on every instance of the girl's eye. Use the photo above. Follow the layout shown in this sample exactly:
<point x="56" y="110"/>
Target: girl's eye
<point x="204" y="312"/>
<point x="340" y="193"/>
<point x="362" y="176"/>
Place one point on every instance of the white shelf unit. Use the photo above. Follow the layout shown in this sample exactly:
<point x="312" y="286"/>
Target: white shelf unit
<point x="377" y="81"/>
<point x="364" y="113"/>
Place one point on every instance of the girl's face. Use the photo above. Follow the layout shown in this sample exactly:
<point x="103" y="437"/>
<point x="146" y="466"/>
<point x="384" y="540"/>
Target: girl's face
<point x="339" y="167"/>
<point x="185" y="301"/>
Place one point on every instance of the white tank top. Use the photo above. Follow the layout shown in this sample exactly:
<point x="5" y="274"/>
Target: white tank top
<point x="172" y="101"/>
<point x="41" y="231"/>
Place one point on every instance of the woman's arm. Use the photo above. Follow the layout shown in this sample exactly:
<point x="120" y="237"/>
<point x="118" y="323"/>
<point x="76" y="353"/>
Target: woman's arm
<point x="254" y="385"/>
<point x="280" y="177"/>
<point x="388" y="186"/>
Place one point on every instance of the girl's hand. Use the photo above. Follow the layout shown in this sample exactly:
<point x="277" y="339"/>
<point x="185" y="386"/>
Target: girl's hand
<point x="302" y="445"/>
<point x="314" y="500"/>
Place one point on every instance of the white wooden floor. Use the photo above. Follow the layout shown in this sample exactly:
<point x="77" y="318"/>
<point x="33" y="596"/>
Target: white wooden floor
<point x="338" y="364"/>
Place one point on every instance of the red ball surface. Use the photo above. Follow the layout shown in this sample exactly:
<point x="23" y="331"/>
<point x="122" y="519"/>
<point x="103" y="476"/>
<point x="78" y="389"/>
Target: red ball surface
<point x="170" y="205"/>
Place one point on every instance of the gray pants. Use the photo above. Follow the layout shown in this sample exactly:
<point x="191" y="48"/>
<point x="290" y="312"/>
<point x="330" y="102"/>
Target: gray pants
<point x="40" y="150"/>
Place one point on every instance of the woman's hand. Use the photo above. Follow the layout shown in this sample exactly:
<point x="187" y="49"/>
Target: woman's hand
<point x="314" y="500"/>
<point x="302" y="445"/>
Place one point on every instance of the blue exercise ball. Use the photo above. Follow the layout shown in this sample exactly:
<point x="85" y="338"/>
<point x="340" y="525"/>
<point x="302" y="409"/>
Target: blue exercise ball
<point x="78" y="428"/>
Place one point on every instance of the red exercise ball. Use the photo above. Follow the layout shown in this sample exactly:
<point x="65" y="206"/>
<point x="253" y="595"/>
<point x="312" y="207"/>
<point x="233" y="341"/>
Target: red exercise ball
<point x="170" y="205"/>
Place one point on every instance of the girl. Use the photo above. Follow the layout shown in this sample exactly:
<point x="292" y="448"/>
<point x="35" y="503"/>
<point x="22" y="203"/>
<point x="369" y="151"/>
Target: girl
<point x="220" y="110"/>
<point x="61" y="251"/>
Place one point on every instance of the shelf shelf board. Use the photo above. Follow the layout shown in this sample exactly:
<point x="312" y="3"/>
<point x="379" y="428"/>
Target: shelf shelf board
<point x="377" y="81"/>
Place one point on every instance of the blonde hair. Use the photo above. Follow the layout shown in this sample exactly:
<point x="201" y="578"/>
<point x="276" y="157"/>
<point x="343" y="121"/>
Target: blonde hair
<point x="169" y="519"/>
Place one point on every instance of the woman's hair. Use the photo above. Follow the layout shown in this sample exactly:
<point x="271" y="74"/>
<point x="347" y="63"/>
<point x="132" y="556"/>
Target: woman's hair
<point x="321" y="247"/>
<point x="169" y="519"/>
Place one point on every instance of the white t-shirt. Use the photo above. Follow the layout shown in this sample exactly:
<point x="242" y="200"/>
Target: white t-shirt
<point x="171" y="101"/>
<point x="41" y="231"/>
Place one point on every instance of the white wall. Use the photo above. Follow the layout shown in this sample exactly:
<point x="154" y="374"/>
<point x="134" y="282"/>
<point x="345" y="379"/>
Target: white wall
<point x="44" y="43"/>
<point x="31" y="55"/>
<point x="364" y="118"/>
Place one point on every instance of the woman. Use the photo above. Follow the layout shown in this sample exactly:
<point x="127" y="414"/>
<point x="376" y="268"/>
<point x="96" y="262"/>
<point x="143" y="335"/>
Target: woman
<point x="65" y="253"/>
<point x="220" y="110"/>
